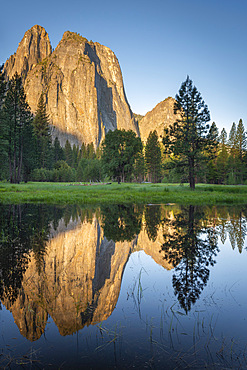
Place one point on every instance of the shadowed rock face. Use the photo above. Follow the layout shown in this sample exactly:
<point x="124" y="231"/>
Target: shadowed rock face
<point x="157" y="119"/>
<point x="82" y="82"/>
<point x="80" y="278"/>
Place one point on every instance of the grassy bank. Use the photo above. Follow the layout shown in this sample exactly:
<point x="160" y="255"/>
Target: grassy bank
<point x="64" y="193"/>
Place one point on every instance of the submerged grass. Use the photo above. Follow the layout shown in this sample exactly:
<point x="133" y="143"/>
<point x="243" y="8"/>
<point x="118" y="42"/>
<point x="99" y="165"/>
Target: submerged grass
<point x="64" y="193"/>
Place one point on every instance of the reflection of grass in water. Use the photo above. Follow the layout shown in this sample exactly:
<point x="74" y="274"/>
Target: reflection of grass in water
<point x="203" y="336"/>
<point x="30" y="359"/>
<point x="208" y="349"/>
<point x="108" y="336"/>
<point x="137" y="297"/>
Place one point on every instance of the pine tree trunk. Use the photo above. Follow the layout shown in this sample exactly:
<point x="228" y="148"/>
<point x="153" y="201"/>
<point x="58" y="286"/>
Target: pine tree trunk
<point x="20" y="165"/>
<point x="192" y="173"/>
<point x="14" y="165"/>
<point x="10" y="163"/>
<point x="20" y="152"/>
<point x="10" y="171"/>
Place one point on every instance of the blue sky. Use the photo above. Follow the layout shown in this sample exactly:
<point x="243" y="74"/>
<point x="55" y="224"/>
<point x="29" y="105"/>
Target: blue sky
<point x="158" y="43"/>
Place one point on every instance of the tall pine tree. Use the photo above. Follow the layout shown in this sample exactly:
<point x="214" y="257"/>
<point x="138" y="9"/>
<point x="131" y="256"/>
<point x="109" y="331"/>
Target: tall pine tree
<point x="232" y="159"/>
<point x="42" y="130"/>
<point x="222" y="158"/>
<point x="187" y="137"/>
<point x="232" y="139"/>
<point x="3" y="128"/>
<point x="153" y="157"/>
<point x="241" y="145"/>
<point x="17" y="118"/>
<point x="211" y="153"/>
<point x="58" y="151"/>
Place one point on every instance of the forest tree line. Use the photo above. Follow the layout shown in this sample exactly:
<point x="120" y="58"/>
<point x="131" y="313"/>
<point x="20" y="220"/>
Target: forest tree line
<point x="27" y="152"/>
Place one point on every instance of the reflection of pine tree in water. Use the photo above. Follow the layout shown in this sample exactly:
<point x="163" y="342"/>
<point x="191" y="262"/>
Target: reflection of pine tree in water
<point x="152" y="221"/>
<point x="241" y="233"/>
<point x="237" y="229"/>
<point x="223" y="231"/>
<point x="191" y="249"/>
<point x="23" y="228"/>
<point x="121" y="222"/>
<point x="222" y="217"/>
<point x="13" y="249"/>
<point x="39" y="241"/>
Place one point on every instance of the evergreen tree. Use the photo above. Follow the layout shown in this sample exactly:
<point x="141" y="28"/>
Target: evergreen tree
<point x="153" y="157"/>
<point x="75" y="156"/>
<point x="211" y="154"/>
<point x="233" y="158"/>
<point x="232" y="139"/>
<point x="90" y="151"/>
<point x="58" y="151"/>
<point x="98" y="152"/>
<point x="213" y="140"/>
<point x="3" y="128"/>
<point x="83" y="151"/>
<point x="139" y="167"/>
<point x="187" y="138"/>
<point x="80" y="170"/>
<point x="120" y="150"/>
<point x="17" y="117"/>
<point x="241" y="148"/>
<point x="42" y="130"/>
<point x="222" y="158"/>
<point x="29" y="150"/>
<point x="68" y="153"/>
<point x="92" y="170"/>
<point x="223" y="138"/>
<point x="2" y="87"/>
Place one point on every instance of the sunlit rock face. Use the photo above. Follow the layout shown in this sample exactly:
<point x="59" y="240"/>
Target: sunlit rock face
<point x="82" y="82"/>
<point x="33" y="48"/>
<point x="153" y="248"/>
<point x="157" y="119"/>
<point x="152" y="245"/>
<point x="29" y="315"/>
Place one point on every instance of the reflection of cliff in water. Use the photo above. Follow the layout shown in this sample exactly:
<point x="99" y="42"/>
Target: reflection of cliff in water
<point x="78" y="284"/>
<point x="75" y="276"/>
<point x="79" y="280"/>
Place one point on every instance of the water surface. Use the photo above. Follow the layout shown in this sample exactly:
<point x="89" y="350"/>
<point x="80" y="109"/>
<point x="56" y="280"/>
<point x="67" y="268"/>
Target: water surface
<point x="123" y="286"/>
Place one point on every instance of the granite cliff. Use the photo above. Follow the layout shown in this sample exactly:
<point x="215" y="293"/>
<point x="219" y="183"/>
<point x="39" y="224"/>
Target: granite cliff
<point x="158" y="118"/>
<point x="82" y="83"/>
<point x="33" y="48"/>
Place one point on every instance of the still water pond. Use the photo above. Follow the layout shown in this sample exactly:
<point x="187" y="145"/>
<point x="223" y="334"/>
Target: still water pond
<point x="150" y="286"/>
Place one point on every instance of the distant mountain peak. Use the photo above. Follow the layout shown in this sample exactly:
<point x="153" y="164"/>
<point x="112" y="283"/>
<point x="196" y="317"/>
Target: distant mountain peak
<point x="161" y="116"/>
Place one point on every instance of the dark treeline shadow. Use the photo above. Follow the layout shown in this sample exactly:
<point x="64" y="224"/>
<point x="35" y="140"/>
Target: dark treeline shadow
<point x="121" y="222"/>
<point x="191" y="249"/>
<point x="152" y="216"/>
<point x="24" y="228"/>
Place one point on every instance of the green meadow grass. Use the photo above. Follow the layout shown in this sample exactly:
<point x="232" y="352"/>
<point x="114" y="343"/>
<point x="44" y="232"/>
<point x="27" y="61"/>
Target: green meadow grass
<point x="74" y="193"/>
